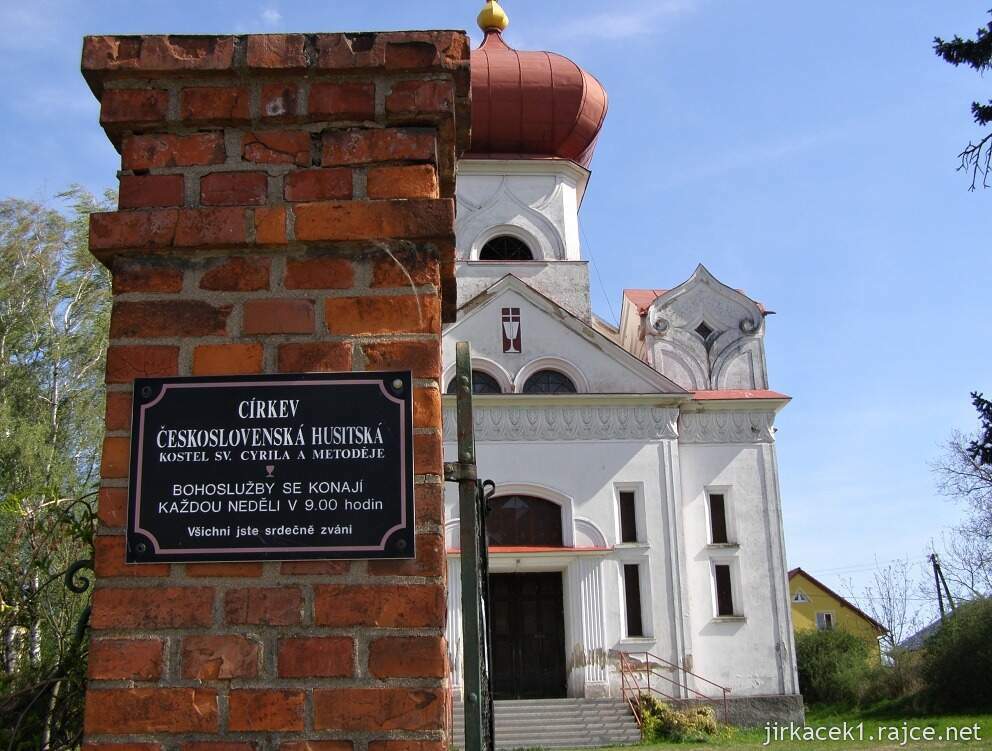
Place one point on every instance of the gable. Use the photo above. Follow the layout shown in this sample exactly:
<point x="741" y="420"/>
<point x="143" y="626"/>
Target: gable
<point x="549" y="337"/>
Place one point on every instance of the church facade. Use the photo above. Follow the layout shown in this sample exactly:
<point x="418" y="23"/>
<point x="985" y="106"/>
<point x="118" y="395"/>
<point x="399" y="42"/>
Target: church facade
<point x="637" y="506"/>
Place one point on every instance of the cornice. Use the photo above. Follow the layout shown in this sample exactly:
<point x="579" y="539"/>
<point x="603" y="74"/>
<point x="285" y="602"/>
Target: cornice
<point x="729" y="426"/>
<point x="568" y="422"/>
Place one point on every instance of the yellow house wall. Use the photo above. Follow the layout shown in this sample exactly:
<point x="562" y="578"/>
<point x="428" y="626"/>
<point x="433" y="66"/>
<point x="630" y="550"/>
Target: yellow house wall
<point x="804" y="614"/>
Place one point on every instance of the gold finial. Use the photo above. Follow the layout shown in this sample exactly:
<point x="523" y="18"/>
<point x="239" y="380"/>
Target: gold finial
<point x="493" y="17"/>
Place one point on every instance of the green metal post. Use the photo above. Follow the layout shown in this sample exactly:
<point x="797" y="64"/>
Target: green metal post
<point x="463" y="471"/>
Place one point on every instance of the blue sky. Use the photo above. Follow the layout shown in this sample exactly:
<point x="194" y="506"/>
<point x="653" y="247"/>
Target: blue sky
<point x="804" y="152"/>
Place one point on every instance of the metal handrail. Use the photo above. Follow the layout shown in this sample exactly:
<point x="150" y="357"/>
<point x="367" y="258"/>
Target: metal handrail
<point x="629" y="672"/>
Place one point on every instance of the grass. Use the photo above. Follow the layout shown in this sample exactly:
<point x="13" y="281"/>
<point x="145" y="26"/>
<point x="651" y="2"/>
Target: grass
<point x="874" y="721"/>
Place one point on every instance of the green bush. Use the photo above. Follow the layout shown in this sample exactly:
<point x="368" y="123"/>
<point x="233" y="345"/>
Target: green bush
<point x="957" y="659"/>
<point x="833" y="667"/>
<point x="898" y="679"/>
<point x="660" y="722"/>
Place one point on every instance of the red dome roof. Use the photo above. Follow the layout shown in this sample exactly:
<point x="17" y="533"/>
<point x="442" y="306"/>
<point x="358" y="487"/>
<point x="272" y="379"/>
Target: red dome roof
<point x="533" y="104"/>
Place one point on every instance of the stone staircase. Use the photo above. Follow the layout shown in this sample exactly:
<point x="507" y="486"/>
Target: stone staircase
<point x="557" y="723"/>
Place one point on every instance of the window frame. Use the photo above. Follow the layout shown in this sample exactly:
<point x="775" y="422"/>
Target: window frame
<point x="729" y="517"/>
<point x="508" y="236"/>
<point x="640" y="523"/>
<point x="736" y="590"/>
<point x="555" y="371"/>
<point x="833" y="620"/>
<point x="644" y="586"/>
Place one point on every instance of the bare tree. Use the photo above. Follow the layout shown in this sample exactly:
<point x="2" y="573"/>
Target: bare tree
<point x="892" y="600"/>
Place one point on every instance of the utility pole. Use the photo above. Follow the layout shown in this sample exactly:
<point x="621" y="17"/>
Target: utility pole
<point x="939" y="581"/>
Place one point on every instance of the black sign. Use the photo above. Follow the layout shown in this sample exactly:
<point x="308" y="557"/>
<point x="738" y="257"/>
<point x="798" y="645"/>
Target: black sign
<point x="271" y="467"/>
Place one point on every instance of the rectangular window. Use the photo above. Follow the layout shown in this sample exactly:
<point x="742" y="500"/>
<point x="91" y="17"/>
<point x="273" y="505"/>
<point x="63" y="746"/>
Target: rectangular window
<point x="632" y="596"/>
<point x="718" y="519"/>
<point x="825" y="621"/>
<point x="724" y="590"/>
<point x="628" y="516"/>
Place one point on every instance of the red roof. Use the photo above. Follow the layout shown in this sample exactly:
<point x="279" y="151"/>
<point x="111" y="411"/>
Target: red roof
<point x="702" y="396"/>
<point x="527" y="104"/>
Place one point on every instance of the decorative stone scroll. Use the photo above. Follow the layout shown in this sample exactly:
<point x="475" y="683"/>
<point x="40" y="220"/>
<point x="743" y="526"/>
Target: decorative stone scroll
<point x="726" y="427"/>
<point x="568" y="422"/>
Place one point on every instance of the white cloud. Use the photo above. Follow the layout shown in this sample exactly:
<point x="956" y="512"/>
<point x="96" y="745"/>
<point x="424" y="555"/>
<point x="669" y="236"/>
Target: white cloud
<point x="625" y="24"/>
<point x="271" y="16"/>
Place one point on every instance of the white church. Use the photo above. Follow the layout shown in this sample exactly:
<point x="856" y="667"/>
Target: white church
<point x="637" y="507"/>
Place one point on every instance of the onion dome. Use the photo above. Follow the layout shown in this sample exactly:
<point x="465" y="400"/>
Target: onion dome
<point x="530" y="104"/>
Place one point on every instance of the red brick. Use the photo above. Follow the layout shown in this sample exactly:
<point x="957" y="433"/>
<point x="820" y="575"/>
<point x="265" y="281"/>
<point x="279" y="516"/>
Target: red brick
<point x="276" y="52"/>
<point x="379" y="708"/>
<point x="316" y="746"/>
<point x="386" y="606"/>
<point x="316" y="657"/>
<point x="238" y="275"/>
<point x="318" y="184"/>
<point x="277" y="147"/>
<point x="430" y="503"/>
<point x="109" y="556"/>
<point x="233" y="189"/>
<point x="343" y="101"/>
<point x="374" y="220"/>
<point x="227" y="359"/>
<point x="409" y="181"/>
<point x="164" y="150"/>
<point x="145" y="276"/>
<point x="125" y="659"/>
<point x="125" y="363"/>
<point x="217" y="745"/>
<point x="210" y="228"/>
<point x="357" y="146"/>
<point x="118" y="410"/>
<point x="314" y="568"/>
<point x="349" y="51"/>
<point x="159" y="318"/>
<point x="112" y="506"/>
<point x="209" y="657"/>
<point x="407" y="657"/>
<point x="383" y="315"/>
<point x="429" y="561"/>
<point x="411" y="56"/>
<point x="279" y="100"/>
<point x="214" y="104"/>
<point x="157" y="53"/>
<point x="151" y="710"/>
<point x="145" y="191"/>
<point x="407" y="746"/>
<point x="319" y="272"/>
<point x="290" y="316"/>
<point x="246" y="569"/>
<point x="265" y="710"/>
<point x="135" y="106"/>
<point x="270" y="225"/>
<point x="315" y="357"/>
<point x="426" y="408"/>
<point x="147" y="228"/>
<point x="420" y="98"/>
<point x="156" y="607"/>
<point x="422" y="269"/>
<point x="427" y="454"/>
<point x="115" y="458"/>
<point x="272" y="606"/>
<point x="423" y="358"/>
<point x="121" y="747"/>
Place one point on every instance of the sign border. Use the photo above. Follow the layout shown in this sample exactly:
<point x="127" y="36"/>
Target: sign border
<point x="143" y="399"/>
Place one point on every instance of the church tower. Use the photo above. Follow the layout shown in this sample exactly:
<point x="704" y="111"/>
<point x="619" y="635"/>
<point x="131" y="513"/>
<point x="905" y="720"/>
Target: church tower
<point x="535" y="120"/>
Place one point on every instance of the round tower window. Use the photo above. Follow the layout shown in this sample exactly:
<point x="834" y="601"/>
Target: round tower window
<point x="505" y="248"/>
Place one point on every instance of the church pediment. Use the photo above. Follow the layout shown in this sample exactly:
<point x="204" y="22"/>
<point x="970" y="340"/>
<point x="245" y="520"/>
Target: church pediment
<point x="516" y="333"/>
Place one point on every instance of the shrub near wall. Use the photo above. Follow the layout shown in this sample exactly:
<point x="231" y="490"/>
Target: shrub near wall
<point x="833" y="666"/>
<point x="957" y="662"/>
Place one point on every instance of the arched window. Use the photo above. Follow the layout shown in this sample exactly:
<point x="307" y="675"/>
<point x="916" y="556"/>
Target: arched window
<point x="523" y="520"/>
<point x="505" y="248"/>
<point x="482" y="383"/>
<point x="549" y="382"/>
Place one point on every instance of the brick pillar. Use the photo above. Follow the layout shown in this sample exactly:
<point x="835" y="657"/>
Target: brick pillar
<point x="286" y="205"/>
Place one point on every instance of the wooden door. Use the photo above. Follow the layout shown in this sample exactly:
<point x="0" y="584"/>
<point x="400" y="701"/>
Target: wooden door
<point x="528" y="627"/>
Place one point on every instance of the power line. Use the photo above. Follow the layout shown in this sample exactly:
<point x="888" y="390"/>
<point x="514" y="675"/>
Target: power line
<point x="602" y="287"/>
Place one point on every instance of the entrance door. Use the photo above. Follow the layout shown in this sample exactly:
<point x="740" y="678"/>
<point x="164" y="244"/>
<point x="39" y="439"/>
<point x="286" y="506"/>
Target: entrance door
<point x="528" y="626"/>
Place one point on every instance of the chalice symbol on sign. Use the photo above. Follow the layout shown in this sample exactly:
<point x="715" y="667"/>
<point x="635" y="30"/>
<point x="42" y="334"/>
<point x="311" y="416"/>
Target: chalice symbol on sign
<point x="270" y="468"/>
